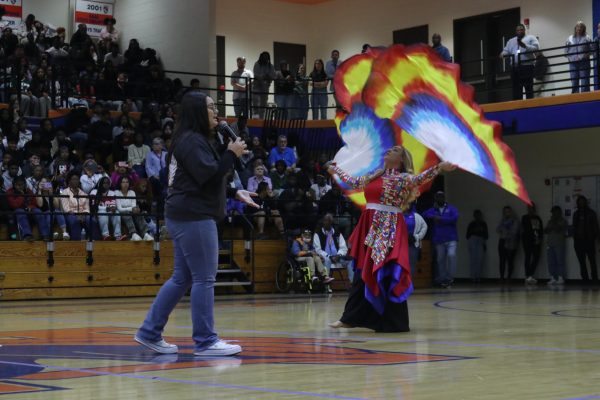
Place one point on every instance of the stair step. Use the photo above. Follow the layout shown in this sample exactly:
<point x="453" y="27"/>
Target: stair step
<point x="229" y="271"/>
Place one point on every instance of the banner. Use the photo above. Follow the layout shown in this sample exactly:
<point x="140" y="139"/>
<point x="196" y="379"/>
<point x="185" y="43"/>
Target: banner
<point x="92" y="13"/>
<point x="14" y="13"/>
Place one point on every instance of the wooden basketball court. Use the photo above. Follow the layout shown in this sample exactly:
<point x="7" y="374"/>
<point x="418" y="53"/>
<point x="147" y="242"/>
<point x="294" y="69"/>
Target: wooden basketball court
<point x="467" y="342"/>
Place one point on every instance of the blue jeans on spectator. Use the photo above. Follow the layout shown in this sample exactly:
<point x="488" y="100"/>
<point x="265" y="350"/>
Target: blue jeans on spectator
<point x="345" y="263"/>
<point x="446" y="261"/>
<point x="195" y="265"/>
<point x="319" y="103"/>
<point x="413" y="258"/>
<point x="74" y="226"/>
<point x="556" y="261"/>
<point x="476" y="254"/>
<point x="115" y="221"/>
<point x="59" y="219"/>
<point x="580" y="74"/>
<point x="300" y="104"/>
<point x="24" y="221"/>
<point x="240" y="106"/>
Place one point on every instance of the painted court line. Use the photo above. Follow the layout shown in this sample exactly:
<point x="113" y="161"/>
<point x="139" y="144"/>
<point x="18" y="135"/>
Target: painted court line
<point x="187" y="382"/>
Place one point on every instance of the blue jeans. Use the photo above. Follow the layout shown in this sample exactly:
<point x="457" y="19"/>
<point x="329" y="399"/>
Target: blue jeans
<point x="580" y="73"/>
<point x="476" y="253"/>
<point x="413" y="258"/>
<point x="556" y="261"/>
<point x="319" y="103"/>
<point x="196" y="258"/>
<point x="446" y="261"/>
<point x="24" y="221"/>
<point x="74" y="226"/>
<point x="59" y="219"/>
<point x="346" y="263"/>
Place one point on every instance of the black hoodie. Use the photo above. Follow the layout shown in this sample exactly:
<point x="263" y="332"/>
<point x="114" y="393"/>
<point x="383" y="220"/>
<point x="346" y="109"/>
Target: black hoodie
<point x="197" y="179"/>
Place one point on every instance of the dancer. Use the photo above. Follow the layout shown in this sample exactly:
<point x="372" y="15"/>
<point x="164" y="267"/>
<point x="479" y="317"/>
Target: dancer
<point x="379" y="244"/>
<point x="195" y="201"/>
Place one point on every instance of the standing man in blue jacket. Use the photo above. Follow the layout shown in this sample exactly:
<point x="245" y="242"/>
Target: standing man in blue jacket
<point x="443" y="217"/>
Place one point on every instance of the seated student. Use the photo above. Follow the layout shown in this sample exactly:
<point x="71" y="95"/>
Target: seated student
<point x="268" y="209"/>
<point x="50" y="208"/>
<point x="104" y="204"/>
<point x="76" y="207"/>
<point x="5" y="217"/>
<point x="282" y="152"/>
<point x="130" y="213"/>
<point x="304" y="251"/>
<point x="279" y="177"/>
<point x="22" y="202"/>
<point x="258" y="177"/>
<point x="122" y="169"/>
<point x="331" y="246"/>
<point x="90" y="176"/>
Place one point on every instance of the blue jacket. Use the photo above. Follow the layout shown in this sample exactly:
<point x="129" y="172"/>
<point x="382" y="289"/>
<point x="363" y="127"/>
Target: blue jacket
<point x="444" y="230"/>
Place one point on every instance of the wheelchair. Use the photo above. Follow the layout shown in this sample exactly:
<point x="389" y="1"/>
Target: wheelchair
<point x="295" y="276"/>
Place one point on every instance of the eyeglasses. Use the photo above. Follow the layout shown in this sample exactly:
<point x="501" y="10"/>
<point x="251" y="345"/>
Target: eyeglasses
<point x="212" y="107"/>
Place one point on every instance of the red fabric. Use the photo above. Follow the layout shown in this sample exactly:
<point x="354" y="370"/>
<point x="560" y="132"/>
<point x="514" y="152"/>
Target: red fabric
<point x="362" y="253"/>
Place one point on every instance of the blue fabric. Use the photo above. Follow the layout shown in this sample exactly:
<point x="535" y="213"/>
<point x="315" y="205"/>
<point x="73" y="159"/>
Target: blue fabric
<point x="390" y="274"/>
<point x="195" y="265"/>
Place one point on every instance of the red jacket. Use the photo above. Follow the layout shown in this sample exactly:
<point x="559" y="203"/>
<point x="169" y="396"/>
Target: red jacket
<point x="19" y="201"/>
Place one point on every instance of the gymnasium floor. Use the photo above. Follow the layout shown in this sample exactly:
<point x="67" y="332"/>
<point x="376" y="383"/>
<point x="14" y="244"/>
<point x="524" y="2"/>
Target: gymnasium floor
<point x="466" y="343"/>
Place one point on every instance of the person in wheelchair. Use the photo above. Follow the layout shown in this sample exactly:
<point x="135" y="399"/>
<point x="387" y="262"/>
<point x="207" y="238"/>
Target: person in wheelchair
<point x="331" y="246"/>
<point x="304" y="251"/>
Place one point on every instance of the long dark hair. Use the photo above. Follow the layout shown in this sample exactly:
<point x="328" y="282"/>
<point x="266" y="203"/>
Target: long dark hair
<point x="100" y="193"/>
<point x="193" y="116"/>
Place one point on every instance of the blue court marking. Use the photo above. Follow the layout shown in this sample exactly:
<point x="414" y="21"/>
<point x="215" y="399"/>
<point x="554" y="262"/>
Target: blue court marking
<point x="583" y="398"/>
<point x="187" y="382"/>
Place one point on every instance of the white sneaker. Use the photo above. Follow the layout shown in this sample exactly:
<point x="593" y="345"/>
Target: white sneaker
<point x="220" y="348"/>
<point x="148" y="237"/>
<point x="66" y="236"/>
<point x="531" y="280"/>
<point x="135" y="237"/>
<point x="560" y="281"/>
<point x="160" y="346"/>
<point x="55" y="236"/>
<point x="552" y="281"/>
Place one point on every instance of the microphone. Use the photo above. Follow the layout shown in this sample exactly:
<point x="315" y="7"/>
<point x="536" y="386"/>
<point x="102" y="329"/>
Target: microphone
<point x="225" y="129"/>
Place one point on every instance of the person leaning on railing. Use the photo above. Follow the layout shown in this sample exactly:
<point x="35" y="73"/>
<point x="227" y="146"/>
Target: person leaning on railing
<point x="521" y="50"/>
<point x="578" y="49"/>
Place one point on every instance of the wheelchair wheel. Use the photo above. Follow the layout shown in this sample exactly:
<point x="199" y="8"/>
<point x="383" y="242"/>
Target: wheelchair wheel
<point x="284" y="280"/>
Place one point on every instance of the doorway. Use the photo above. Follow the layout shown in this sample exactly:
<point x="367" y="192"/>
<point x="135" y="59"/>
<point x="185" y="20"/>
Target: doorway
<point x="293" y="54"/>
<point x="478" y="40"/>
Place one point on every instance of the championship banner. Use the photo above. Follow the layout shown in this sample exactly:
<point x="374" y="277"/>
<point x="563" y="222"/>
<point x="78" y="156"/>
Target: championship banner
<point x="14" y="13"/>
<point x="92" y="13"/>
